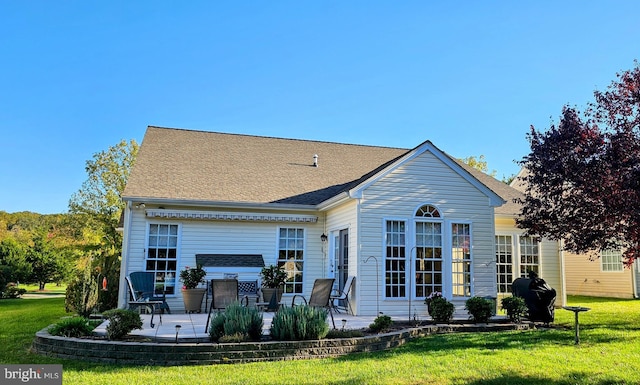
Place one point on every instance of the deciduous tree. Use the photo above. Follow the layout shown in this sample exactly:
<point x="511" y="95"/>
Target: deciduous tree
<point x="99" y="202"/>
<point x="584" y="174"/>
<point x="46" y="263"/>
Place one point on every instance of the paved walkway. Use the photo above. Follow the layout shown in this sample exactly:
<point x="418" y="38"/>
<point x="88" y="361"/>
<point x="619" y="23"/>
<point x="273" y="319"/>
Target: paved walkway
<point x="41" y="295"/>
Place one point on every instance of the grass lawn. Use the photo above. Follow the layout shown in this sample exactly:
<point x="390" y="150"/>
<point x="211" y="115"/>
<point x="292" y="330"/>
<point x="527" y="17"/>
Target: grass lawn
<point x="608" y="354"/>
<point x="49" y="288"/>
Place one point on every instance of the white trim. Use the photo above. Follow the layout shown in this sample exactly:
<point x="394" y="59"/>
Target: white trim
<point x="407" y="258"/>
<point x="334" y="201"/>
<point x="126" y="250"/>
<point x="145" y="257"/>
<point x="472" y="271"/>
<point x="305" y="256"/>
<point x="228" y="216"/>
<point x="494" y="199"/>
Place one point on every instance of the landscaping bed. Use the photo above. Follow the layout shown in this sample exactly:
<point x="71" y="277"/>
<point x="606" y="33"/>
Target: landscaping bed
<point x="136" y="351"/>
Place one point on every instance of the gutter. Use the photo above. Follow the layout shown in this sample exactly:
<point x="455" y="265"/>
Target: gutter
<point x="232" y="205"/>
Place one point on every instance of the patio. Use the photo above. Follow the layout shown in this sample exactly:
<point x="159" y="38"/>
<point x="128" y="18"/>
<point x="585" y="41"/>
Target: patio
<point x="167" y="345"/>
<point x="192" y="326"/>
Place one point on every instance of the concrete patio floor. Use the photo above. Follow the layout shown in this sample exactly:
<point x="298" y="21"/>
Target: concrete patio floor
<point x="192" y="326"/>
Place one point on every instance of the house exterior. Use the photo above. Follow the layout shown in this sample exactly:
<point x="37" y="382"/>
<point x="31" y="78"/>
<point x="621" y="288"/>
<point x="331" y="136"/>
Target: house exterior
<point x="404" y="222"/>
<point x="598" y="275"/>
<point x="601" y="275"/>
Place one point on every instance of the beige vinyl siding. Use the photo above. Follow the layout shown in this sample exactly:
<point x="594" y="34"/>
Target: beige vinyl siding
<point x="228" y="237"/>
<point x="585" y="277"/>
<point x="423" y="180"/>
<point x="550" y="268"/>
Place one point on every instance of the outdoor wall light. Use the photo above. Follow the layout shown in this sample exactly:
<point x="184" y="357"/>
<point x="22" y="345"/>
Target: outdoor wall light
<point x="140" y="206"/>
<point x="324" y="237"/>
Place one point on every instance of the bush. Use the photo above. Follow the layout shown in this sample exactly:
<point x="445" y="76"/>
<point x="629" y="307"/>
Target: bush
<point x="72" y="327"/>
<point x="515" y="307"/>
<point x="12" y="292"/>
<point x="121" y="323"/>
<point x="381" y="323"/>
<point x="82" y="293"/>
<point x="300" y="322"/>
<point x="480" y="309"/>
<point x="441" y="310"/>
<point x="236" y="324"/>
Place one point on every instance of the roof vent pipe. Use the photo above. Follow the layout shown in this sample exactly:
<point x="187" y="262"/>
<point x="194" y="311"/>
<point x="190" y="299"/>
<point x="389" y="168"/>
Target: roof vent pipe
<point x="315" y="160"/>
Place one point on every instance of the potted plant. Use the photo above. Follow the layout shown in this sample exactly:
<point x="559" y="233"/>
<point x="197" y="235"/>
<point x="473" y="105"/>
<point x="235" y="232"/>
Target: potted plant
<point x="273" y="279"/>
<point x="192" y="295"/>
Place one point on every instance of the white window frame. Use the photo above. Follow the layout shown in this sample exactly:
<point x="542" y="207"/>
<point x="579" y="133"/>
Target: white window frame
<point x="517" y="255"/>
<point x="441" y="287"/>
<point x="536" y="243"/>
<point x="163" y="276"/>
<point x="402" y="261"/>
<point x="296" y="286"/>
<point x="607" y="265"/>
<point x="455" y="260"/>
<point x="512" y="254"/>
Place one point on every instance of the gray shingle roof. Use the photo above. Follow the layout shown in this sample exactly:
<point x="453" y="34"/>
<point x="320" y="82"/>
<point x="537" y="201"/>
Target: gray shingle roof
<point x="188" y="165"/>
<point x="210" y="166"/>
<point x="505" y="191"/>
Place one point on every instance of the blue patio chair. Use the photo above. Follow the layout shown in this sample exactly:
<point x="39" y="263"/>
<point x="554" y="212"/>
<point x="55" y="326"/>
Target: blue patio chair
<point x="142" y="285"/>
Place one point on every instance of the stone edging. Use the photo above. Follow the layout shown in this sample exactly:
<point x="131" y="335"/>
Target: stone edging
<point x="171" y="354"/>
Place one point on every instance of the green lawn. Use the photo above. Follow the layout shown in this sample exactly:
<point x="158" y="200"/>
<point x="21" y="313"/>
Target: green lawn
<point x="49" y="288"/>
<point x="608" y="354"/>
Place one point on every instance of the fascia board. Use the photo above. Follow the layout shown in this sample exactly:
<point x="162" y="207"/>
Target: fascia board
<point x="224" y="204"/>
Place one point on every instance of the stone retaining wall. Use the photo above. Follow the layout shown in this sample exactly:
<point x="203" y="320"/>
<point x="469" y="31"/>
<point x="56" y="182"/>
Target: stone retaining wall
<point x="168" y="354"/>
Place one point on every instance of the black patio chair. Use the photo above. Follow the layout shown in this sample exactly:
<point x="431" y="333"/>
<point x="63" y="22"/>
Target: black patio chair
<point x="320" y="296"/>
<point x="343" y="296"/>
<point x="223" y="293"/>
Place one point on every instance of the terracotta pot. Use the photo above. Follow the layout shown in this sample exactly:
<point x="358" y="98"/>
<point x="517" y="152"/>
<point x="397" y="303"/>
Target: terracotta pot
<point x="192" y="299"/>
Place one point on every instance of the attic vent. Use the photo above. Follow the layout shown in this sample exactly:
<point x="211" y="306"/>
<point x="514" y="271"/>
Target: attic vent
<point x="315" y="160"/>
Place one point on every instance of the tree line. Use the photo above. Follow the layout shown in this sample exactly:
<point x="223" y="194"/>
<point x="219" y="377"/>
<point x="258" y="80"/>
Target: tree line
<point x="77" y="247"/>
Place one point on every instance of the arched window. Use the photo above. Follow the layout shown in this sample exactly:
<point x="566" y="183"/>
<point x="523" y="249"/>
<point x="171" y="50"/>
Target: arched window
<point x="428" y="211"/>
<point x="429" y="251"/>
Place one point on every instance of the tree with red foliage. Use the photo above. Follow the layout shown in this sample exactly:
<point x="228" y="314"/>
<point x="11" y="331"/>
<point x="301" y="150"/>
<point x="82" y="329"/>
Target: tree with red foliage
<point x="583" y="176"/>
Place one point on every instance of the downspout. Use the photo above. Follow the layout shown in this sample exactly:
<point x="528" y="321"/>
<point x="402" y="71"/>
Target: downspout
<point x="563" y="279"/>
<point x="325" y="247"/>
<point x="634" y="279"/>
<point x="356" y="289"/>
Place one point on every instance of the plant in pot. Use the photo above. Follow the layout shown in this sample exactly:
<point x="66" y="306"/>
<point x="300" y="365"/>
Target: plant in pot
<point x="273" y="279"/>
<point x="192" y="295"/>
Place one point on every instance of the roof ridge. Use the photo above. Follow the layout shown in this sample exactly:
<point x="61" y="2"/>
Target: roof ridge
<point x="278" y="138"/>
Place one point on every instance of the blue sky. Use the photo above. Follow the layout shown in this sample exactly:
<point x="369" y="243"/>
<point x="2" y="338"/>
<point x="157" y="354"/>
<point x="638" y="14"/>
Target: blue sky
<point x="79" y="76"/>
